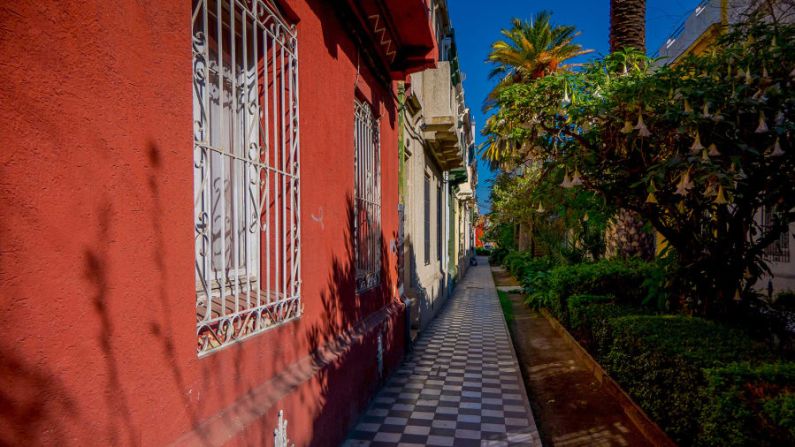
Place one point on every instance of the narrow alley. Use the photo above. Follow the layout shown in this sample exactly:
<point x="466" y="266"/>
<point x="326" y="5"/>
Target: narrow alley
<point x="461" y="386"/>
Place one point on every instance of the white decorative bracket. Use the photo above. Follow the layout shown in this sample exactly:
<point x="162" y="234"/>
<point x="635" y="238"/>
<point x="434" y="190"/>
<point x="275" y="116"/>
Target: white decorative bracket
<point x="280" y="433"/>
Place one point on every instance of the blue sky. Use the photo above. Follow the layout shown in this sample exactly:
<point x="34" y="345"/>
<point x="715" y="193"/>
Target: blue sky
<point x="478" y="23"/>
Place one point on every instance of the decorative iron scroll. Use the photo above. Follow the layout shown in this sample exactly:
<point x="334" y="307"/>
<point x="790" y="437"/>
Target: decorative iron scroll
<point x="246" y="170"/>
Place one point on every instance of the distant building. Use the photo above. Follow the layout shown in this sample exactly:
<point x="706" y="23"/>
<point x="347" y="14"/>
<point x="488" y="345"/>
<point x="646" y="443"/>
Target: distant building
<point x="439" y="175"/>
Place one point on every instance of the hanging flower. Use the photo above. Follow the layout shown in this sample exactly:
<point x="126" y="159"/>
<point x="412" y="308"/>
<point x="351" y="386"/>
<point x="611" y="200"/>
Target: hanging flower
<point x="748" y="78"/>
<point x="651" y="198"/>
<point x="704" y="156"/>
<point x="740" y="73"/>
<point x="688" y="109"/>
<point x="585" y="217"/>
<point x="777" y="151"/>
<point x="709" y="191"/>
<point x="762" y="128"/>
<point x="720" y="199"/>
<point x="566" y="99"/>
<point x="705" y="112"/>
<point x="773" y="44"/>
<point x="737" y="296"/>
<point x="597" y="93"/>
<point x="628" y="128"/>
<point x="741" y="175"/>
<point x="643" y="131"/>
<point x="685" y="184"/>
<point x="780" y="118"/>
<point x="540" y="208"/>
<point x="713" y="150"/>
<point x="566" y="181"/>
<point x="576" y="179"/>
<point x="697" y="146"/>
<point x="765" y="74"/>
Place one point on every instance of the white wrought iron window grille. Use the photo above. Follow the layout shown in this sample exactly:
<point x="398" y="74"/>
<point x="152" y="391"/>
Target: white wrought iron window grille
<point x="426" y="247"/>
<point x="246" y="170"/>
<point x="778" y="251"/>
<point x="367" y="192"/>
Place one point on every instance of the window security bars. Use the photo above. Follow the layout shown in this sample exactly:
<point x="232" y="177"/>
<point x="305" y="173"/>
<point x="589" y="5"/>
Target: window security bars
<point x="439" y="224"/>
<point x="367" y="192"/>
<point x="778" y="251"/>
<point x="427" y="220"/>
<point x="246" y="170"/>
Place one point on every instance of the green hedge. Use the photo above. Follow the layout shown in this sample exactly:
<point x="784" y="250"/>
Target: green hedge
<point x="661" y="361"/>
<point x="625" y="280"/>
<point x="704" y="383"/>
<point x="588" y="319"/>
<point x="521" y="263"/>
<point x="749" y="405"/>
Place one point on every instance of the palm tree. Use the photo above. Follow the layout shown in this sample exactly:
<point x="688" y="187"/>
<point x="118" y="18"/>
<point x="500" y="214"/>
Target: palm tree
<point x="625" y="236"/>
<point x="531" y="50"/>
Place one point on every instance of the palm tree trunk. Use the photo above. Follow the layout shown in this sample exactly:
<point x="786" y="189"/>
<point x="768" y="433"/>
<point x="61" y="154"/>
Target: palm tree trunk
<point x="627" y="24"/>
<point x="625" y="236"/>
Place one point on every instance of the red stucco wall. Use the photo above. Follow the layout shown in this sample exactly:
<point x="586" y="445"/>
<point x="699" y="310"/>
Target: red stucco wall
<point x="96" y="239"/>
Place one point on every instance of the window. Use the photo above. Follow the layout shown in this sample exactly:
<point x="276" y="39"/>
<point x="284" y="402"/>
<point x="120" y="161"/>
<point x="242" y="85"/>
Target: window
<point x="427" y="220"/>
<point x="439" y="226"/>
<point x="367" y="190"/>
<point x="778" y="251"/>
<point x="246" y="179"/>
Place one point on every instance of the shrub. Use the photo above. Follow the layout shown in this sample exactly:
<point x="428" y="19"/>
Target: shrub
<point x="781" y="411"/>
<point x="579" y="306"/>
<point x="749" y="405"/>
<point x="619" y="278"/>
<point x="498" y="256"/>
<point x="588" y="320"/>
<point x="482" y="251"/>
<point x="521" y="263"/>
<point x="661" y="360"/>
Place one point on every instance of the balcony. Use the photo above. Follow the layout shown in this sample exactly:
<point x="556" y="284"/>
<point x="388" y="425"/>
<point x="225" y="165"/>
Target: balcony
<point x="440" y="128"/>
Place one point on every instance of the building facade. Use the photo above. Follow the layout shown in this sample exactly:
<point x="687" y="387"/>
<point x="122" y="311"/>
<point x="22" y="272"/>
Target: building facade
<point x="200" y="223"/>
<point x="439" y="176"/>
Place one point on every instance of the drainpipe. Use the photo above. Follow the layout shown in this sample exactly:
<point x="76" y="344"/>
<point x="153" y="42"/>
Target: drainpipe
<point x="401" y="212"/>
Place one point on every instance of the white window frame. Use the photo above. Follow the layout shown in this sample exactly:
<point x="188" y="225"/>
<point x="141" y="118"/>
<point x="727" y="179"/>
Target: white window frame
<point x="246" y="170"/>
<point x="367" y="194"/>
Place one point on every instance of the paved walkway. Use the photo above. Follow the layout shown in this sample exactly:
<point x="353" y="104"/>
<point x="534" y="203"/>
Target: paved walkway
<point x="462" y="384"/>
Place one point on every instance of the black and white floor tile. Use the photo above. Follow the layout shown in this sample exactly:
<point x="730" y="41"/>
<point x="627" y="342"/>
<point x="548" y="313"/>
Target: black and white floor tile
<point x="461" y="386"/>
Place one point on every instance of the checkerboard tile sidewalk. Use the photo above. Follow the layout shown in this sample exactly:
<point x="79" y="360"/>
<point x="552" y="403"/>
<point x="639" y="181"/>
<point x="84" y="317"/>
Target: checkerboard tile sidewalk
<point x="461" y="386"/>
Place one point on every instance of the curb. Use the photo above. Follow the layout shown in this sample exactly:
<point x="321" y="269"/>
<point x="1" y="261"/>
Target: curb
<point x="535" y="435"/>
<point x="648" y="428"/>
